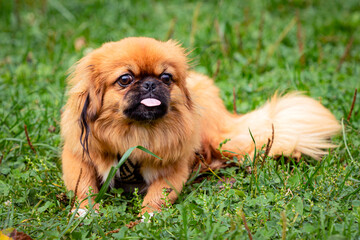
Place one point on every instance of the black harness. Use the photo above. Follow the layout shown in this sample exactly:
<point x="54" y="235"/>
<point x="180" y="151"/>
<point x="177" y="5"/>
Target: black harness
<point x="130" y="176"/>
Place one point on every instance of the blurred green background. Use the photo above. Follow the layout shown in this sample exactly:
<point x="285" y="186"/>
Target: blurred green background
<point x="252" y="47"/>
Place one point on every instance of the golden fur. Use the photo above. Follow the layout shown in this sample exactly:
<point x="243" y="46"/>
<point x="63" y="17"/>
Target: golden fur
<point x="196" y="122"/>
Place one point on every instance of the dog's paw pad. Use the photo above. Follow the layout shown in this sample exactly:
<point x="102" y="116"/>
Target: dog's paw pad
<point x="80" y="212"/>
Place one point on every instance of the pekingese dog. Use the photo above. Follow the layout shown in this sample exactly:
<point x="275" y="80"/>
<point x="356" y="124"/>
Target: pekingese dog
<point x="140" y="91"/>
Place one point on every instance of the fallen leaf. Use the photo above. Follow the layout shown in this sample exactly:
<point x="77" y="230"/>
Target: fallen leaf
<point x="13" y="234"/>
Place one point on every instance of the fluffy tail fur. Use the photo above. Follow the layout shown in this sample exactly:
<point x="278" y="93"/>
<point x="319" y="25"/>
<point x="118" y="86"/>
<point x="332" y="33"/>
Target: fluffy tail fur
<point x="301" y="125"/>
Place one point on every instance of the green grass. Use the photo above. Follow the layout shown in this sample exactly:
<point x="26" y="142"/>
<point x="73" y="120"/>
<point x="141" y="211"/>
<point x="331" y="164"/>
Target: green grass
<point x="318" y="200"/>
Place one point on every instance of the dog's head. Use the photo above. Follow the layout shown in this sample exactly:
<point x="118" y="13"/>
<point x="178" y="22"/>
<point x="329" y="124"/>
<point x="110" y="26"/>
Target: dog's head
<point x="132" y="81"/>
<point x="139" y="79"/>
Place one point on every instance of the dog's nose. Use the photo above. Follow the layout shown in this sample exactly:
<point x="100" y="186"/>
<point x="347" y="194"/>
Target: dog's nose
<point x="149" y="85"/>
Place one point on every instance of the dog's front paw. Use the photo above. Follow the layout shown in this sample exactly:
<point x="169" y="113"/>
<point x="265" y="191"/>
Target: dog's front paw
<point x="146" y="217"/>
<point x="80" y="212"/>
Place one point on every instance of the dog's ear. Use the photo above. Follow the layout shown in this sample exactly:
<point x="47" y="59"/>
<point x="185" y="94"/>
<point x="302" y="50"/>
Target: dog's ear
<point x="95" y="94"/>
<point x="85" y="97"/>
<point x="188" y="100"/>
<point x="87" y="88"/>
<point x="181" y="64"/>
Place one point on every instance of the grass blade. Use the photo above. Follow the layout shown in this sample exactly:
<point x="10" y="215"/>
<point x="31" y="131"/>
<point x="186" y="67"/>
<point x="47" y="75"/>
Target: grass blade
<point x="345" y="142"/>
<point x="312" y="175"/>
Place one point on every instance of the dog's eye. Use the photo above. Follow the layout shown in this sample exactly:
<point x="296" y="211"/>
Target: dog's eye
<point x="125" y="80"/>
<point x="166" y="78"/>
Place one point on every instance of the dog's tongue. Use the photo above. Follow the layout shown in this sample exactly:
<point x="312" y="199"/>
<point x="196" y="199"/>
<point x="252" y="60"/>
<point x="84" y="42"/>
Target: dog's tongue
<point x="150" y="102"/>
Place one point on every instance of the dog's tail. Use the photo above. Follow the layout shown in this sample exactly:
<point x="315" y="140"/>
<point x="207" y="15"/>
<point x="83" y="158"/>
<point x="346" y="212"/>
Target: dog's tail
<point x="296" y="123"/>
